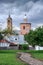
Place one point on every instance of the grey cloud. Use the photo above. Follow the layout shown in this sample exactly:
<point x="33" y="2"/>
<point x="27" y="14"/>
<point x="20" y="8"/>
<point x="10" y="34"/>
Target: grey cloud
<point x="22" y="5"/>
<point x="19" y="1"/>
<point x="33" y="9"/>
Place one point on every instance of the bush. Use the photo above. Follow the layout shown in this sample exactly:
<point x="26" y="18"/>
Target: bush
<point x="1" y="37"/>
<point x="24" y="46"/>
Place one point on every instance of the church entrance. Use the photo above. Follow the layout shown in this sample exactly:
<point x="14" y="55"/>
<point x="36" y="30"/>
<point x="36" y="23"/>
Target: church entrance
<point x="13" y="46"/>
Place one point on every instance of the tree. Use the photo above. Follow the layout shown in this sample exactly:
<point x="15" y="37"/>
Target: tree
<point x="35" y="37"/>
<point x="1" y="37"/>
<point x="6" y="31"/>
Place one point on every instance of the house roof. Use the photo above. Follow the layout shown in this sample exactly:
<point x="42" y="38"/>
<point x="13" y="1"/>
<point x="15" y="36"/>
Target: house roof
<point x="4" y="41"/>
<point x="25" y="23"/>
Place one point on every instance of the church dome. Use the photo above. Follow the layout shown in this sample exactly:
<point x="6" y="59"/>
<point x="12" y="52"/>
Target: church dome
<point x="25" y="18"/>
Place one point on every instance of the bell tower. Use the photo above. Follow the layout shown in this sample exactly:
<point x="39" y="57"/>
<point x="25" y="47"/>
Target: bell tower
<point x="9" y="23"/>
<point x="25" y="27"/>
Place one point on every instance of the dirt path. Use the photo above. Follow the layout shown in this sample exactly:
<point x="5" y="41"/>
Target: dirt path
<point x="28" y="59"/>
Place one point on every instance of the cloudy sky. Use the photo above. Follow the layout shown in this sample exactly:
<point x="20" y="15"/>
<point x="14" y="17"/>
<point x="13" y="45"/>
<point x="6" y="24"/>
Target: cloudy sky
<point x="18" y="8"/>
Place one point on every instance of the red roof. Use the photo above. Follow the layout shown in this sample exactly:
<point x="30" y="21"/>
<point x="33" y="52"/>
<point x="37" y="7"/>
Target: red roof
<point x="5" y="41"/>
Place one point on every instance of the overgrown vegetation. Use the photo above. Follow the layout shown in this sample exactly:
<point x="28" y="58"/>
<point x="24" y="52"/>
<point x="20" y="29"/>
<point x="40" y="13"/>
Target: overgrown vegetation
<point x="24" y="46"/>
<point x="35" y="37"/>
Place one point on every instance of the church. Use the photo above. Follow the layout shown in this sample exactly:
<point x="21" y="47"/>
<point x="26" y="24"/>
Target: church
<point x="13" y="40"/>
<point x="25" y="27"/>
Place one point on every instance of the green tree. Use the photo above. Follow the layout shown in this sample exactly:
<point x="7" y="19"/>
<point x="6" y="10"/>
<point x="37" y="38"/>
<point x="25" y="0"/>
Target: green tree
<point x="1" y="37"/>
<point x="35" y="37"/>
<point x="6" y="31"/>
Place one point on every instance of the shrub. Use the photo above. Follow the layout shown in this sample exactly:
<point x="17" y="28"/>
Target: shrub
<point x="24" y="46"/>
<point x="1" y="37"/>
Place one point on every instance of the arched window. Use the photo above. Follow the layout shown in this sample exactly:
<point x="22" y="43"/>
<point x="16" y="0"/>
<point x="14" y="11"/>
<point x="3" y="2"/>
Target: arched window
<point x="15" y="38"/>
<point x="8" y="20"/>
<point x="23" y="27"/>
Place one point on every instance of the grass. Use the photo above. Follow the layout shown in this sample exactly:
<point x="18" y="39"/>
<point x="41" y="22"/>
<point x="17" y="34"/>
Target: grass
<point x="38" y="56"/>
<point x="9" y="57"/>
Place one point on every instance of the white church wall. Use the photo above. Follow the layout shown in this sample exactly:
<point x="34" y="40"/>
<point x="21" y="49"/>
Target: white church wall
<point x="41" y="48"/>
<point x="4" y="45"/>
<point x="19" y="39"/>
<point x="38" y="48"/>
<point x="13" y="38"/>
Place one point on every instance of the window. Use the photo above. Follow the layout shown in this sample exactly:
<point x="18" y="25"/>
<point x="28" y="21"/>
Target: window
<point x="16" y="39"/>
<point x="8" y="20"/>
<point x="23" y="27"/>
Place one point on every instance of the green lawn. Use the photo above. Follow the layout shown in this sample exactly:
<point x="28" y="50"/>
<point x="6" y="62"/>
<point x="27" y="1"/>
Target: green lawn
<point x="10" y="58"/>
<point x="38" y="56"/>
